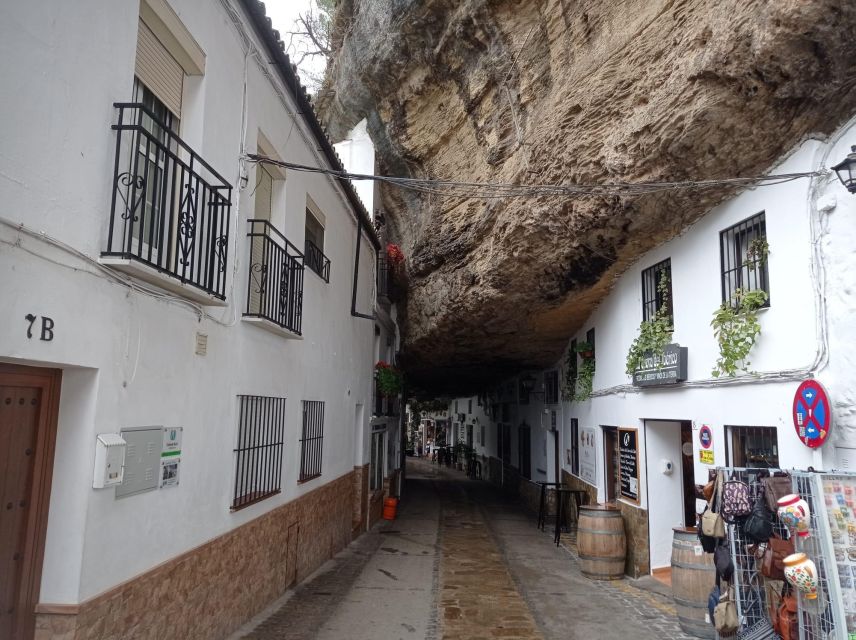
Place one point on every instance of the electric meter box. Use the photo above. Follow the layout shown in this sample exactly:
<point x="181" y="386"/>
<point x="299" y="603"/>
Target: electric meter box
<point x="109" y="460"/>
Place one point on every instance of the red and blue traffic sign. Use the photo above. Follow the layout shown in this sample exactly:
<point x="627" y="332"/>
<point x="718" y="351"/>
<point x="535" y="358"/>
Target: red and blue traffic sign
<point x="812" y="414"/>
<point x="705" y="437"/>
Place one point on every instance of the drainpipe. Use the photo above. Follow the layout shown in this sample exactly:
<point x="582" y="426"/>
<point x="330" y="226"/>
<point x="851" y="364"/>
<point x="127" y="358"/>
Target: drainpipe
<point x="354" y="311"/>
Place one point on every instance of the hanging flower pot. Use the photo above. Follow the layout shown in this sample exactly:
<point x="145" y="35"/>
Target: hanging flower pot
<point x="394" y="254"/>
<point x="389" y="379"/>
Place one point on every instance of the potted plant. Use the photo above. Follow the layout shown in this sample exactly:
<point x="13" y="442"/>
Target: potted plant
<point x="585" y="379"/>
<point x="654" y="333"/>
<point x="586" y="350"/>
<point x="736" y="328"/>
<point x="389" y="379"/>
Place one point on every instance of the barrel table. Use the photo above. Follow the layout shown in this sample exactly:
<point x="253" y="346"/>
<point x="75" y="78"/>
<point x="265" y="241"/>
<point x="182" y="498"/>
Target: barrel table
<point x="693" y="575"/>
<point x="601" y="542"/>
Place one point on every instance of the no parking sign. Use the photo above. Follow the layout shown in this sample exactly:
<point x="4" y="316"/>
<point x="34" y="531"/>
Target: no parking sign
<point x="812" y="414"/>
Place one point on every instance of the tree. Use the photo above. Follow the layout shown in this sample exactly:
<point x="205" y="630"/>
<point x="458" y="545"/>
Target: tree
<point x="308" y="43"/>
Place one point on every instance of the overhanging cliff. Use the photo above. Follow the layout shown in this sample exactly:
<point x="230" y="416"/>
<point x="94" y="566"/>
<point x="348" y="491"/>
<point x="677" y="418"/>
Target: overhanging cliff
<point x="559" y="91"/>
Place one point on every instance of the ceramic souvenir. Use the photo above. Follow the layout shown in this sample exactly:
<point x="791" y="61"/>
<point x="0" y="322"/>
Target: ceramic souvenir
<point x="794" y="514"/>
<point x="801" y="573"/>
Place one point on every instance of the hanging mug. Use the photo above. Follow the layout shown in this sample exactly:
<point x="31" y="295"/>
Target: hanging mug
<point x="802" y="574"/>
<point x="794" y="514"/>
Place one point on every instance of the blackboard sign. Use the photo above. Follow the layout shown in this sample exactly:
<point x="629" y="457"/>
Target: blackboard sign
<point x="628" y="449"/>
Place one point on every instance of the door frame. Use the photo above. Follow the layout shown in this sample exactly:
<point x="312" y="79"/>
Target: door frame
<point x="49" y="381"/>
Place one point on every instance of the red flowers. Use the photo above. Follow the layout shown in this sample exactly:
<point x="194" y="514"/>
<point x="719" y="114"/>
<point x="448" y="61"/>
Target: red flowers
<point x="395" y="254"/>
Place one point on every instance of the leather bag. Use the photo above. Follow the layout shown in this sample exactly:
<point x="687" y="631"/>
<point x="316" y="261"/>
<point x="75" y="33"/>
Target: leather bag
<point x="723" y="562"/>
<point x="725" y="614"/>
<point x="787" y="619"/>
<point x="771" y="557"/>
<point x="758" y="526"/>
<point x="776" y="487"/>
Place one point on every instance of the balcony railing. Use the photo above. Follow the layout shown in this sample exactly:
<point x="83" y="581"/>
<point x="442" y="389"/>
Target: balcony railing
<point x="275" y="278"/>
<point x="317" y="261"/>
<point x="384" y="279"/>
<point x="170" y="210"/>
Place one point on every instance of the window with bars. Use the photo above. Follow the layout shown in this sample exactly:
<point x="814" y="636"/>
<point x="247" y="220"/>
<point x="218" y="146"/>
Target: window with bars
<point x="258" y="454"/>
<point x="376" y="477"/>
<point x="470" y="405"/>
<point x="754" y="447"/>
<point x="551" y="387"/>
<point x="657" y="290"/>
<point x="575" y="447"/>
<point x="743" y="257"/>
<point x="312" y="442"/>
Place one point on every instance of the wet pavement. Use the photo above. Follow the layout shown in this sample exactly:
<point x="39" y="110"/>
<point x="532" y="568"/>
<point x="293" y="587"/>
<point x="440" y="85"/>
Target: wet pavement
<point x="461" y="562"/>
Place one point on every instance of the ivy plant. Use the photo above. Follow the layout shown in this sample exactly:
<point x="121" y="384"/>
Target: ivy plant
<point x="756" y="253"/>
<point x="736" y="328"/>
<point x="569" y="386"/>
<point x="585" y="379"/>
<point x="654" y="333"/>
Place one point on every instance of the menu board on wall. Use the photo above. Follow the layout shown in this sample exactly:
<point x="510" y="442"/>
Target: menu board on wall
<point x="588" y="455"/>
<point x="628" y="449"/>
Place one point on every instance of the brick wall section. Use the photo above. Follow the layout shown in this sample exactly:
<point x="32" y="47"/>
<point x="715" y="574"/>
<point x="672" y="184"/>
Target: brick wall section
<point x="209" y="591"/>
<point x="635" y="528"/>
<point x="361" y="500"/>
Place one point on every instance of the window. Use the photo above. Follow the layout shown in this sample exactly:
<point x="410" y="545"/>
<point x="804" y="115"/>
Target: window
<point x="258" y="454"/>
<point x="590" y="338"/>
<point x="470" y="405"/>
<point x="311" y="444"/>
<point x="756" y="447"/>
<point x="551" y="387"/>
<point x="743" y="257"/>
<point x="456" y="406"/>
<point x="481" y="435"/>
<point x="158" y="70"/>
<point x="314" y="247"/>
<point x="575" y="447"/>
<point x="657" y="290"/>
<point x="263" y="194"/>
<point x="376" y="478"/>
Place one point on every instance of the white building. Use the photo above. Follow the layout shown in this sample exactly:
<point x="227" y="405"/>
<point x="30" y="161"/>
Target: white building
<point x="218" y="314"/>
<point x="806" y="333"/>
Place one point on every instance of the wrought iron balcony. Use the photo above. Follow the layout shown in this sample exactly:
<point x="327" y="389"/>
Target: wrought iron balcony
<point x="170" y="211"/>
<point x="275" y="278"/>
<point x="317" y="261"/>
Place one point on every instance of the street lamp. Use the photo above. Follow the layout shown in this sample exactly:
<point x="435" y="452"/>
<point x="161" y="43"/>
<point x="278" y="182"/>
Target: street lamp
<point x="846" y="170"/>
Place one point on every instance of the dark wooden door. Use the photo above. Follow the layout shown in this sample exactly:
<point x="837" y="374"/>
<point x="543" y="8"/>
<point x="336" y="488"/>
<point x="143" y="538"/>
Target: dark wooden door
<point x="28" y="399"/>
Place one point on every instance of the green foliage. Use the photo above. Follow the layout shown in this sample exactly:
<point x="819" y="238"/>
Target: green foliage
<point x="569" y="386"/>
<point x="585" y="347"/>
<point x="736" y="328"/>
<point x="389" y="379"/>
<point x="654" y="334"/>
<point x="756" y="253"/>
<point x="585" y="379"/>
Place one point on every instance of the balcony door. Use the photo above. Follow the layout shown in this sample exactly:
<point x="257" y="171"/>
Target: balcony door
<point x="259" y="261"/>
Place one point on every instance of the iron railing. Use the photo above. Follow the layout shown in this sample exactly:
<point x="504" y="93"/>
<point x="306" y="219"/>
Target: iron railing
<point x="170" y="210"/>
<point x="742" y="266"/>
<point x="384" y="279"/>
<point x="312" y="442"/>
<point x="274" y="278"/>
<point x="317" y="261"/>
<point x="258" y="454"/>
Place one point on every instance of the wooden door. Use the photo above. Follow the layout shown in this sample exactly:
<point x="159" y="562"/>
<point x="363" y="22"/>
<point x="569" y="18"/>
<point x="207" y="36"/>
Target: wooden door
<point x="28" y="410"/>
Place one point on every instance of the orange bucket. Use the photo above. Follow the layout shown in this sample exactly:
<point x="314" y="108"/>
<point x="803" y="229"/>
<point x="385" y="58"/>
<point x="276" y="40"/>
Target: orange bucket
<point x="390" y="505"/>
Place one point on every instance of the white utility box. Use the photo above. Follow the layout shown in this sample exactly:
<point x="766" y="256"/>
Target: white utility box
<point x="109" y="460"/>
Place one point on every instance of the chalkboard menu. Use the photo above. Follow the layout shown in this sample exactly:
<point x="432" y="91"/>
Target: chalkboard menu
<point x="628" y="449"/>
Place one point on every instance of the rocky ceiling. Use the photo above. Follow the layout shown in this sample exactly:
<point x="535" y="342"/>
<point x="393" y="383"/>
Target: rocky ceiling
<point x="557" y="91"/>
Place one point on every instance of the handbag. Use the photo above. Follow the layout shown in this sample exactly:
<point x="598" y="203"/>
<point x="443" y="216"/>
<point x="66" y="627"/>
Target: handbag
<point x="712" y="601"/>
<point x="722" y="561"/>
<point x="776" y="487"/>
<point x="788" y="626"/>
<point x="735" y="500"/>
<point x="725" y="614"/>
<point x="712" y="524"/>
<point x="708" y="543"/>
<point x="758" y="526"/>
<point x="772" y="557"/>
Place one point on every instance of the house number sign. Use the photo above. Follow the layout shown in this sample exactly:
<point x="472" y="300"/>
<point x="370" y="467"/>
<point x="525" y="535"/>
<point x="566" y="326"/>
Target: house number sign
<point x="47" y="326"/>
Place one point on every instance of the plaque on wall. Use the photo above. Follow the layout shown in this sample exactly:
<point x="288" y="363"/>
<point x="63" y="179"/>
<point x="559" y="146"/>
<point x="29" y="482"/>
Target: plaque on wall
<point x="656" y="370"/>
<point x="628" y="449"/>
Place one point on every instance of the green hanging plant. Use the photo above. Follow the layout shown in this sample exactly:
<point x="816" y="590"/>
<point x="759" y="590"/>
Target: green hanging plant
<point x="389" y="379"/>
<point x="654" y="334"/>
<point x="585" y="379"/>
<point x="756" y="253"/>
<point x="736" y="328"/>
<point x="569" y="385"/>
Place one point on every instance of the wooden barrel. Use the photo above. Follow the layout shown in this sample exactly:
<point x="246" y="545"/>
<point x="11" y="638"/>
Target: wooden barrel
<point x="693" y="576"/>
<point x="601" y="542"/>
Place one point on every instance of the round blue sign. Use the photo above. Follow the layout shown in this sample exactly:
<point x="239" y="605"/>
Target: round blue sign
<point x="705" y="437"/>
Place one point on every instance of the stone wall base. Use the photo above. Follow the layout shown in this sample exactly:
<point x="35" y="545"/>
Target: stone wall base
<point x="213" y="589"/>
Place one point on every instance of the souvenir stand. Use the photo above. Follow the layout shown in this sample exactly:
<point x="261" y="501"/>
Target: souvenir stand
<point x="828" y="539"/>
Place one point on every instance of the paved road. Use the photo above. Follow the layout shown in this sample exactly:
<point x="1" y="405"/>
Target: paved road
<point x="461" y="562"/>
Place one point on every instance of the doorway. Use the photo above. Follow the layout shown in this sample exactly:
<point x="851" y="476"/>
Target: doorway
<point x="29" y="404"/>
<point x="610" y="463"/>
<point x="524" y="452"/>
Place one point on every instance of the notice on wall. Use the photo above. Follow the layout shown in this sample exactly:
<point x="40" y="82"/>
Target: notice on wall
<point x="588" y="455"/>
<point x="705" y="456"/>
<point x="628" y="449"/>
<point x="170" y="456"/>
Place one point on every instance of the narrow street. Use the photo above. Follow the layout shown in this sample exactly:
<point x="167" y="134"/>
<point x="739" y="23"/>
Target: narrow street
<point x="460" y="562"/>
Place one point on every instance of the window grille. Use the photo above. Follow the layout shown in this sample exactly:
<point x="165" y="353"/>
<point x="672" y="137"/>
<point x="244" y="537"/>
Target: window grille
<point x="742" y="269"/>
<point x="376" y="478"/>
<point x="551" y="387"/>
<point x="753" y="447"/>
<point x="311" y="445"/>
<point x="575" y="446"/>
<point x="654" y="296"/>
<point x="258" y="455"/>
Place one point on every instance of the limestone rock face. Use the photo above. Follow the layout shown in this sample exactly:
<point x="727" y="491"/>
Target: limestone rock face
<point x="560" y="91"/>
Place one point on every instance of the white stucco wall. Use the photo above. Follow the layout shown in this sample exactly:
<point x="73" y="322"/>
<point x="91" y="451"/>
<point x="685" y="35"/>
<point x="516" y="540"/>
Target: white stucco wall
<point x="358" y="155"/>
<point x="128" y="359"/>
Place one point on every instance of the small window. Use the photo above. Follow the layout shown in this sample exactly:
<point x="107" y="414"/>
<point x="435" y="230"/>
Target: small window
<point x="657" y="290"/>
<point x="258" y="455"/>
<point x="754" y="447"/>
<point x="575" y="447"/>
<point x="743" y="256"/>
<point x="376" y="477"/>
<point x="551" y="387"/>
<point x="263" y="194"/>
<point x="314" y="257"/>
<point x="590" y="339"/>
<point x="312" y="442"/>
<point x="469" y="406"/>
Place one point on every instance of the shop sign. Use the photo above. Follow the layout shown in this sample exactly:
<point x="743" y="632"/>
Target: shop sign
<point x="628" y="451"/>
<point x="170" y="456"/>
<point x="588" y="455"/>
<point x="812" y="414"/>
<point x="705" y="437"/>
<point x="670" y="367"/>
<point x="705" y="456"/>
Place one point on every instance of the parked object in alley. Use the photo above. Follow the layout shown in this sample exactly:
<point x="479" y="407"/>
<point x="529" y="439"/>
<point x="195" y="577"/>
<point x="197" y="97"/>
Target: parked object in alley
<point x="390" y="506"/>
<point x="601" y="542"/>
<point x="692" y="575"/>
<point x="801" y="572"/>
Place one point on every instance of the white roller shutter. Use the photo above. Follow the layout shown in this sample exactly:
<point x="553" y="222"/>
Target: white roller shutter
<point x="158" y="70"/>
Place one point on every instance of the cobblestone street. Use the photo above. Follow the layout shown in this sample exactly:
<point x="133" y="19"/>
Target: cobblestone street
<point x="461" y="562"/>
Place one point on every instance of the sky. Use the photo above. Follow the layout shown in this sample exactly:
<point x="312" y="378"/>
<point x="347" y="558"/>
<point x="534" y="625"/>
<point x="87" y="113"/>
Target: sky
<point x="283" y="13"/>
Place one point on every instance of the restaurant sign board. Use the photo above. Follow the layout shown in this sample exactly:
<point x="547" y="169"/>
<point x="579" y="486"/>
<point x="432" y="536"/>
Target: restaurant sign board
<point x="669" y="367"/>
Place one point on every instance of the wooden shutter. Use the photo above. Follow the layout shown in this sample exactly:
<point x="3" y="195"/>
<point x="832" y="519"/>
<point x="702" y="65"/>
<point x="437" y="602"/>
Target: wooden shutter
<point x="158" y="70"/>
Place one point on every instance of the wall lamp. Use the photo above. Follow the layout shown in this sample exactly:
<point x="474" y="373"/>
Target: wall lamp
<point x="846" y="170"/>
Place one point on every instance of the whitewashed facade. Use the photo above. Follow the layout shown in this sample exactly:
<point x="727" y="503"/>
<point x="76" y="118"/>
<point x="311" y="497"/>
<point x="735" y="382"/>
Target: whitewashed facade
<point x="136" y="346"/>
